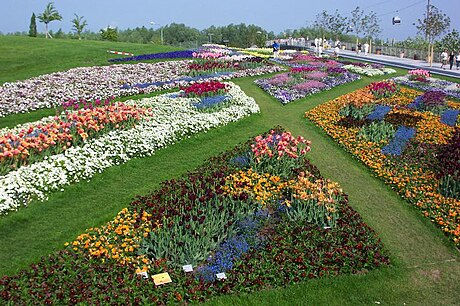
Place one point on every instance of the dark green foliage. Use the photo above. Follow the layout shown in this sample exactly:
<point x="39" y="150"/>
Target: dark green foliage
<point x="110" y="34"/>
<point x="33" y="26"/>
<point x="449" y="163"/>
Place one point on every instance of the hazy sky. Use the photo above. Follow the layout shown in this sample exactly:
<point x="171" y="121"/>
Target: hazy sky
<point x="274" y="16"/>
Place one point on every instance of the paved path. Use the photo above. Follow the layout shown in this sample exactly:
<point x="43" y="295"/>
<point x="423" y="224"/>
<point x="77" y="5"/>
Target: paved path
<point x="406" y="63"/>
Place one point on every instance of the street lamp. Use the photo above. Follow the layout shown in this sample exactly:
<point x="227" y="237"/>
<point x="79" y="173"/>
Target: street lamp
<point x="210" y="37"/>
<point x="161" y="30"/>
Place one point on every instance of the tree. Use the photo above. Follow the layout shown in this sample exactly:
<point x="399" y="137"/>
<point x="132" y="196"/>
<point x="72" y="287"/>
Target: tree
<point x="109" y="34"/>
<point x="334" y="24"/>
<point x="450" y="42"/>
<point x="33" y="26"/>
<point x="78" y="24"/>
<point x="50" y="14"/>
<point x="371" y="25"/>
<point x="433" y="25"/>
<point x="356" y="22"/>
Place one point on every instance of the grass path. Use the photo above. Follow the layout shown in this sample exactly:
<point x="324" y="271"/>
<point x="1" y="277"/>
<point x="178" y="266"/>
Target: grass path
<point x="425" y="269"/>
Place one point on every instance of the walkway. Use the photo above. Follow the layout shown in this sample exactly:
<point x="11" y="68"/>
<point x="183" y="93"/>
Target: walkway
<point x="406" y="63"/>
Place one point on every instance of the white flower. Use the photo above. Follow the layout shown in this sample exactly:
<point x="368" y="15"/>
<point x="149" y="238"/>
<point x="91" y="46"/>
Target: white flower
<point x="173" y="119"/>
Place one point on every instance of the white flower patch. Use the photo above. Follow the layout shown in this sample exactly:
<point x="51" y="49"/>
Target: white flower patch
<point x="369" y="71"/>
<point x="97" y="82"/>
<point x="173" y="119"/>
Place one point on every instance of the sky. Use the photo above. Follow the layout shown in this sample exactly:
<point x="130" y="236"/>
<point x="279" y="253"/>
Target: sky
<point x="276" y="16"/>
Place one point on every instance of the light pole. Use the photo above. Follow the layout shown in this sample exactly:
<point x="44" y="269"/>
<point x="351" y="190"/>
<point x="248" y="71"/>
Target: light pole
<point x="427" y="34"/>
<point x="210" y="37"/>
<point x="161" y="30"/>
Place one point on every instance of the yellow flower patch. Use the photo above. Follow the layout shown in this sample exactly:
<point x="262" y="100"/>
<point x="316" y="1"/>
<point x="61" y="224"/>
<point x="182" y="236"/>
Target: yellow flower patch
<point x="264" y="188"/>
<point x="413" y="182"/>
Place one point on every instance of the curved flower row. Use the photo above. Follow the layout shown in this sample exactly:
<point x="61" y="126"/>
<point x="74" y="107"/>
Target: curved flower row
<point x="71" y="128"/>
<point x="404" y="146"/>
<point x="173" y="119"/>
<point x="288" y="87"/>
<point x="162" y="55"/>
<point x="425" y="83"/>
<point x="101" y="82"/>
<point x="89" y="83"/>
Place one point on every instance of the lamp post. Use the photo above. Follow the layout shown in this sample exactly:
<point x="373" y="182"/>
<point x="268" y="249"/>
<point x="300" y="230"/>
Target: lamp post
<point x="210" y="37"/>
<point x="161" y="30"/>
<point x="427" y="34"/>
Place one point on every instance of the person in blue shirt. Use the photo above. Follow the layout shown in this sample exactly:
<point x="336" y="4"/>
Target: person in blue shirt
<point x="276" y="49"/>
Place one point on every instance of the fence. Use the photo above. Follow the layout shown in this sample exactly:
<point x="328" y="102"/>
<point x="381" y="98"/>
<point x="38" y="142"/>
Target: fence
<point x="398" y="51"/>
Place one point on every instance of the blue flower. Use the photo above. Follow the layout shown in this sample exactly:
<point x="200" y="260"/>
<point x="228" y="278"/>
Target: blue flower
<point x="399" y="141"/>
<point x="449" y="116"/>
<point x="379" y="112"/>
<point x="144" y="57"/>
<point x="241" y="161"/>
<point x="207" y="102"/>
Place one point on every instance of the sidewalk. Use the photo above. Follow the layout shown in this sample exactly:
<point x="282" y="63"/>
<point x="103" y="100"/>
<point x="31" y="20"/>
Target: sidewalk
<point x="406" y="63"/>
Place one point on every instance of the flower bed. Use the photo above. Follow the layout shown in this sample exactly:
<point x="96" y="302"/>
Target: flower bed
<point x="153" y="56"/>
<point x="408" y="139"/>
<point x="221" y="222"/>
<point x="70" y="129"/>
<point x="368" y="69"/>
<point x="173" y="118"/>
<point x="420" y="79"/>
<point x="92" y="83"/>
<point x="309" y="75"/>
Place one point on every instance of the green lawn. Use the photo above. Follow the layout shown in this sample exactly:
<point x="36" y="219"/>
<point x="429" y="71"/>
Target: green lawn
<point x="425" y="266"/>
<point x="25" y="57"/>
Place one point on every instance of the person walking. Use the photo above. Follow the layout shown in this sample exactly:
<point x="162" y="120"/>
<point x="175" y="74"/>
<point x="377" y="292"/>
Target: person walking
<point x="451" y="59"/>
<point x="457" y="59"/>
<point x="444" y="57"/>
<point x="337" y="48"/>
<point x="276" y="49"/>
<point x="366" y="48"/>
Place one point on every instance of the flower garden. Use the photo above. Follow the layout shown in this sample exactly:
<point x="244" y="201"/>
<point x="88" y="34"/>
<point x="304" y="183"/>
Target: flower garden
<point x="422" y="80"/>
<point x="102" y="82"/>
<point x="44" y="156"/>
<point x="225" y="228"/>
<point x="367" y="69"/>
<point x="257" y="217"/>
<point x="408" y="138"/>
<point x="309" y="75"/>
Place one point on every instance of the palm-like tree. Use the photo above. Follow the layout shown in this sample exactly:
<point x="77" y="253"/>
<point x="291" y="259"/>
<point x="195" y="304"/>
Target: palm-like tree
<point x="78" y="25"/>
<point x="50" y="14"/>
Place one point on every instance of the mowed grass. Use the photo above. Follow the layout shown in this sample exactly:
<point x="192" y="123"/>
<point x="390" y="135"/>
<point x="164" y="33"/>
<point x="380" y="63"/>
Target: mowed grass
<point x="425" y="266"/>
<point x="25" y="57"/>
